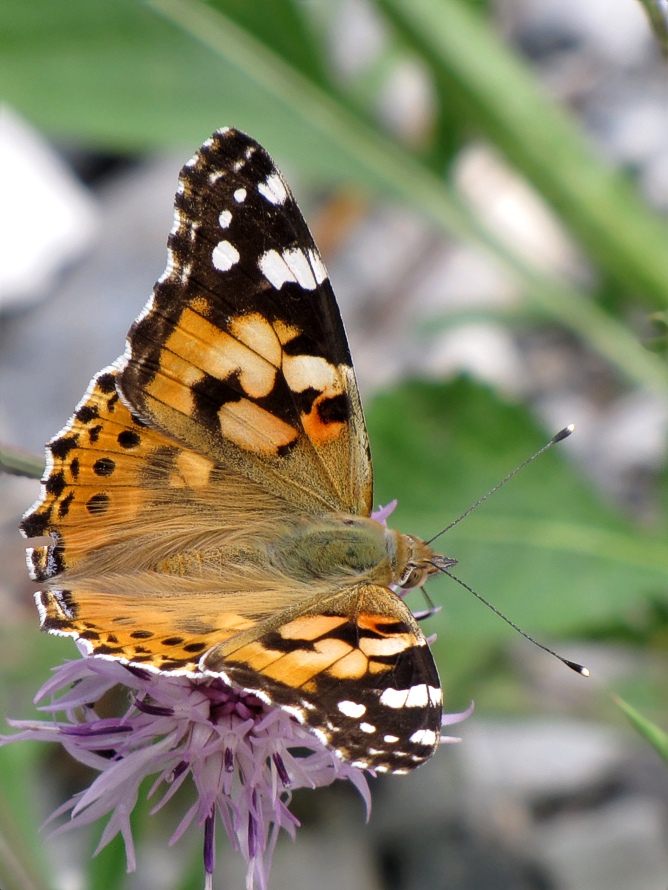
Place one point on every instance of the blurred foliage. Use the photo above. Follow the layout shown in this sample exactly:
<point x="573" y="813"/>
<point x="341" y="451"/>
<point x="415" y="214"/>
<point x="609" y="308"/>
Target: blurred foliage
<point x="130" y="77"/>
<point x="653" y="734"/>
<point x="658" y="19"/>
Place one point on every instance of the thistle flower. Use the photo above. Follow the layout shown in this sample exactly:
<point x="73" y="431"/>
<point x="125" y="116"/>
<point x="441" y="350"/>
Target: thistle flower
<point x="239" y="753"/>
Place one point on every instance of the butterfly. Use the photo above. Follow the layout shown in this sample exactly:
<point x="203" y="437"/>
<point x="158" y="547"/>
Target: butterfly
<point x="209" y="501"/>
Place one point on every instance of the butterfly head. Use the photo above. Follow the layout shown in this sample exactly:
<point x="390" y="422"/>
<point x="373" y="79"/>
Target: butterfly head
<point x="420" y="562"/>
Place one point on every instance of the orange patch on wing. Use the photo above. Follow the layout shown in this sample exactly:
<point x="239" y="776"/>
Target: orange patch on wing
<point x="332" y="648"/>
<point x="255" y="655"/>
<point x="298" y="667"/>
<point x="310" y="627"/>
<point x="351" y="667"/>
<point x="201" y="305"/>
<point x="256" y="332"/>
<point x="375" y="623"/>
<point x="254" y="429"/>
<point x="192" y="470"/>
<point x="316" y="429"/>
<point x="172" y="385"/>
<point x="285" y="332"/>
<point x="220" y="355"/>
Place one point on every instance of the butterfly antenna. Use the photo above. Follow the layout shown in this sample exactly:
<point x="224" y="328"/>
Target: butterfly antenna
<point x="573" y="665"/>
<point x="562" y="434"/>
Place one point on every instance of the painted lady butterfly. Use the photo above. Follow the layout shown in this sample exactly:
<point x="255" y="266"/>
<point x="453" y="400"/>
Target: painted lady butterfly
<point x="209" y="502"/>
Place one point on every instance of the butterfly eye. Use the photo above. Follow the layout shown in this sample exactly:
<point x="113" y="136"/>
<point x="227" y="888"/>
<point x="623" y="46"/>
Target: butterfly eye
<point x="414" y="578"/>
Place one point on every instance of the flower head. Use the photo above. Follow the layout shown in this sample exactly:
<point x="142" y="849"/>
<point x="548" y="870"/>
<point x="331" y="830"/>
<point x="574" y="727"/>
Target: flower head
<point x="244" y="757"/>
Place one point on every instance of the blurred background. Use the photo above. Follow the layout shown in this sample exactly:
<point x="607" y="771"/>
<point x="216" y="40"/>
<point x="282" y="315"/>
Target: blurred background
<point x="487" y="182"/>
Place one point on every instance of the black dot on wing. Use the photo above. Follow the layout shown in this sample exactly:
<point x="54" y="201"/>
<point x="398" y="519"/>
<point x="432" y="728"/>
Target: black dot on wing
<point x="104" y="466"/>
<point x="87" y="413"/>
<point x="98" y="504"/>
<point x="55" y="484"/>
<point x="62" y="447"/>
<point x="129" y="439"/>
<point x="302" y="344"/>
<point x="64" y="506"/>
<point x="89" y="635"/>
<point x="334" y="409"/>
<point x="106" y="383"/>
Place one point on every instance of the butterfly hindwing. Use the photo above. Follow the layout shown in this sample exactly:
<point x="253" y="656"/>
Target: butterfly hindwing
<point x="354" y="666"/>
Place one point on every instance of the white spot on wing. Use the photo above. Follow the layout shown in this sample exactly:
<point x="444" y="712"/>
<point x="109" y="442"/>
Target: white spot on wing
<point x="274" y="269"/>
<point x="317" y="265"/>
<point x="291" y="265"/>
<point x="435" y="695"/>
<point x="301" y="268"/>
<point x="273" y="189"/>
<point x="424" y="737"/>
<point x="224" y="219"/>
<point x="394" y="698"/>
<point x="418" y="696"/>
<point x="351" y="708"/>
<point x="224" y="256"/>
<point x="390" y="739"/>
<point x="240" y="196"/>
<point x="367" y="727"/>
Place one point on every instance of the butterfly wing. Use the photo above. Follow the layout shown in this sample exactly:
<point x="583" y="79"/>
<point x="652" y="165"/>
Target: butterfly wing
<point x="352" y="665"/>
<point x="241" y="353"/>
<point x="132" y="516"/>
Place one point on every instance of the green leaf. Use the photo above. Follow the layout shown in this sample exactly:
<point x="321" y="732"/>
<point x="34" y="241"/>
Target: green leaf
<point x="657" y="738"/>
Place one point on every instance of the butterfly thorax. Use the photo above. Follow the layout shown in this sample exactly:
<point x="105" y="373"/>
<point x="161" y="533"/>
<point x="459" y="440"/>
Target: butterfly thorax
<point x="340" y="547"/>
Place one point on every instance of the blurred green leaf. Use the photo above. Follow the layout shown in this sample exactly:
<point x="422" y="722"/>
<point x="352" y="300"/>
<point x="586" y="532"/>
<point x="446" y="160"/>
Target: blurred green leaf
<point x="22" y="860"/>
<point x="17" y="463"/>
<point x="492" y="89"/>
<point x="657" y="738"/>
<point x="658" y="19"/>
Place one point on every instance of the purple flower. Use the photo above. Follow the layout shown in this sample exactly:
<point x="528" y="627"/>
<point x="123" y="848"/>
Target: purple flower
<point x="244" y="757"/>
<point x="238" y="751"/>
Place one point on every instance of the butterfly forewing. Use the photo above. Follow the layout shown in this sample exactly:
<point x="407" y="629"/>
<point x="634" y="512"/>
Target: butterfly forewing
<point x="242" y="354"/>
<point x="194" y="500"/>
